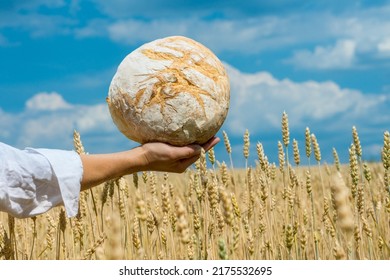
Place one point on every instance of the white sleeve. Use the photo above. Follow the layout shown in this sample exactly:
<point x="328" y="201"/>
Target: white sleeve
<point x="32" y="181"/>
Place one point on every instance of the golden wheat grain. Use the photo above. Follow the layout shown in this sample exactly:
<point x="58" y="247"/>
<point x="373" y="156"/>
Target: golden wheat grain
<point x="246" y="144"/>
<point x="297" y="158"/>
<point x="257" y="212"/>
<point x="285" y="129"/>
<point x="78" y="145"/>
<point x="356" y="142"/>
<point x="281" y="157"/>
<point x="308" y="143"/>
<point x="336" y="159"/>
<point x="343" y="208"/>
<point x="353" y="169"/>
<point x="316" y="147"/>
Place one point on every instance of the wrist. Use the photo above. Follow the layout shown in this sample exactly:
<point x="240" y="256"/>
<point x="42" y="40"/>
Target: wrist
<point x="135" y="160"/>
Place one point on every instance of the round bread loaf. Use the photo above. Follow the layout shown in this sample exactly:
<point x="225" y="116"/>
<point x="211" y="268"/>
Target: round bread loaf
<point x="172" y="90"/>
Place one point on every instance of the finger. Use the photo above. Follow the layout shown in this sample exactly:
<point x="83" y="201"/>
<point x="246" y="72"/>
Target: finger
<point x="188" y="151"/>
<point x="211" y="143"/>
<point x="185" y="163"/>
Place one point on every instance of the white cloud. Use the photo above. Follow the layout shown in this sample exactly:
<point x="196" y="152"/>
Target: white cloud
<point x="6" y="123"/>
<point x="332" y="40"/>
<point x="94" y="118"/>
<point x="384" y="47"/>
<point x="94" y="28"/>
<point x="339" y="56"/>
<point x="347" y="34"/>
<point x="239" y="35"/>
<point x="46" y="129"/>
<point x="92" y="79"/>
<point x="47" y="101"/>
<point x="132" y="31"/>
<point x="48" y="121"/>
<point x="258" y="101"/>
<point x="28" y="16"/>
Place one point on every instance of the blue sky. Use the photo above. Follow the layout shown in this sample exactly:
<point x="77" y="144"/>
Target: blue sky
<point x="326" y="63"/>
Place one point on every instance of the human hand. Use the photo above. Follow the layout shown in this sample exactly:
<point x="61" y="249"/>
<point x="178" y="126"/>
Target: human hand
<point x="168" y="158"/>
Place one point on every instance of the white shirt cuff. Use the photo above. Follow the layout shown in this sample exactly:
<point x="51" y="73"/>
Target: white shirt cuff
<point x="68" y="170"/>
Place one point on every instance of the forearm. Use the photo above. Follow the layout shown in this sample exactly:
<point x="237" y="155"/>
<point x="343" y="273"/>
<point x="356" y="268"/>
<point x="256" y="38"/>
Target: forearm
<point x="103" y="167"/>
<point x="152" y="156"/>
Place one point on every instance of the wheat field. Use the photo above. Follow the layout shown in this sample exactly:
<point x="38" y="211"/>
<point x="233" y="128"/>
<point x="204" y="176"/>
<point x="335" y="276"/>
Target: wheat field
<point x="275" y="211"/>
